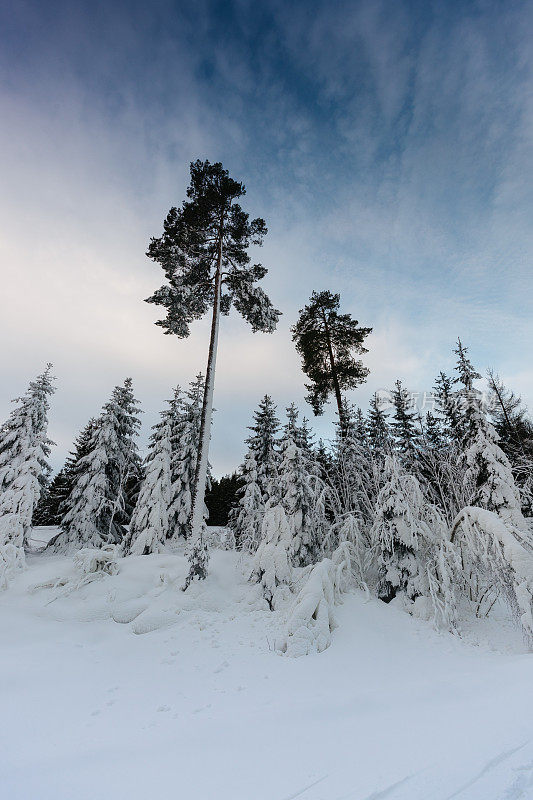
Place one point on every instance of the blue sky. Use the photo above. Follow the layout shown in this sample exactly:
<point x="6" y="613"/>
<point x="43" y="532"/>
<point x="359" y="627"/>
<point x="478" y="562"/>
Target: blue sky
<point x="387" y="144"/>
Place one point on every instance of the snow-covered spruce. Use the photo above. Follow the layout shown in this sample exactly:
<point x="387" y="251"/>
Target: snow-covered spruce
<point x="24" y="449"/>
<point x="272" y="566"/>
<point x="311" y="620"/>
<point x="246" y="517"/>
<point x="263" y="442"/>
<point x="302" y="496"/>
<point x="185" y="421"/>
<point x="501" y="557"/>
<point x="406" y="540"/>
<point x="148" y="530"/>
<point x="488" y="469"/>
<point x="356" y="472"/>
<point x="99" y="504"/>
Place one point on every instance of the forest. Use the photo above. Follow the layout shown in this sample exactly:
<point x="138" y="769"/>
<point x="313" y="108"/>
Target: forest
<point x="429" y="509"/>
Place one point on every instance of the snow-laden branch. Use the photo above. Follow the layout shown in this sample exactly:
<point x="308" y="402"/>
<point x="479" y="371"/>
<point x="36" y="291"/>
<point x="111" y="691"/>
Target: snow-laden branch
<point x="504" y="554"/>
<point x="311" y="620"/>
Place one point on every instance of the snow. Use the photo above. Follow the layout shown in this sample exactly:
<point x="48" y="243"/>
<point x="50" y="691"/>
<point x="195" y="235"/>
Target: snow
<point x="186" y="697"/>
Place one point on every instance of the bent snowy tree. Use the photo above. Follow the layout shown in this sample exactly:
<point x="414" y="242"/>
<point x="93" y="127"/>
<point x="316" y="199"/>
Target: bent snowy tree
<point x="204" y="247"/>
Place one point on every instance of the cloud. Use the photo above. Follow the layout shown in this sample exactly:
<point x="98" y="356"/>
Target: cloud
<point x="387" y="145"/>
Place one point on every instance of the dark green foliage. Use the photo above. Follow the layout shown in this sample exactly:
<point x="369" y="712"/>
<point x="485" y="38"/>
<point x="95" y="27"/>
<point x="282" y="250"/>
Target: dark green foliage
<point x="49" y="507"/>
<point x="433" y="432"/>
<point x="210" y="224"/>
<point x="447" y="408"/>
<point x="466" y="373"/>
<point x="221" y="497"/>
<point x="379" y="436"/>
<point x="509" y="418"/>
<point x="263" y="443"/>
<point x="469" y="402"/>
<point x="403" y="425"/>
<point x="327" y="342"/>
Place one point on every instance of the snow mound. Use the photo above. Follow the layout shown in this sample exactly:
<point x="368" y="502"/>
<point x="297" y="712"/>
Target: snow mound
<point x="312" y="619"/>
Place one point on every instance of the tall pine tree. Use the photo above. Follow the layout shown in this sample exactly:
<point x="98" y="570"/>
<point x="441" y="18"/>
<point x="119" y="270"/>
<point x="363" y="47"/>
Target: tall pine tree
<point x="204" y="247"/>
<point x="328" y="343"/>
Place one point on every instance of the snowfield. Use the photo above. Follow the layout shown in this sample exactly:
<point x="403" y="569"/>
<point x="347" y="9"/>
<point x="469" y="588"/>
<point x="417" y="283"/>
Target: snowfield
<point x="129" y="688"/>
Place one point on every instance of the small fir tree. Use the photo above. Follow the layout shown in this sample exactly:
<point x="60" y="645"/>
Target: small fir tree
<point x="186" y="417"/>
<point x="263" y="442"/>
<point x="377" y="426"/>
<point x="403" y="425"/>
<point x="272" y="562"/>
<point x="446" y="408"/>
<point x="404" y="538"/>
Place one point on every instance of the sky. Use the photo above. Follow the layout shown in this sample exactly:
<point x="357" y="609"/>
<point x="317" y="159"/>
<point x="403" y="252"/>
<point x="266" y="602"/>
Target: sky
<point x="388" y="145"/>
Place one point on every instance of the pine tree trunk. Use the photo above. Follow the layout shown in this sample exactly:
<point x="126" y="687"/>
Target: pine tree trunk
<point x="336" y="385"/>
<point x="198" y="551"/>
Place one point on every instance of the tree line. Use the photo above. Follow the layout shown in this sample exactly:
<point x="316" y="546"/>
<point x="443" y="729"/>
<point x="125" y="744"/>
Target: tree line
<point x="426" y="503"/>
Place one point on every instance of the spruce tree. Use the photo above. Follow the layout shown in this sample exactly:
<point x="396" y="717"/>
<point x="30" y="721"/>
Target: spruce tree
<point x="378" y="427"/>
<point x="328" y="342"/>
<point x="125" y="468"/>
<point x="488" y="469"/>
<point x="221" y="497"/>
<point x="433" y="432"/>
<point x="24" y="450"/>
<point x="404" y="538"/>
<point x="300" y="497"/>
<point x="186" y="415"/>
<point x="71" y="468"/>
<point x="203" y="248"/>
<point x="148" y="530"/>
<point x="99" y="505"/>
<point x="48" y="510"/>
<point x="447" y="407"/>
<point x="263" y="442"/>
<point x="247" y="516"/>
<point x="509" y="419"/>
<point x="403" y="425"/>
<point x="354" y="468"/>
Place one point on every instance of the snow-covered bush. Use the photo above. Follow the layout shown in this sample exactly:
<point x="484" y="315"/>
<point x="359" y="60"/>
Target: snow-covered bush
<point x="503" y="556"/>
<point x="271" y="565"/>
<point x="406" y="536"/>
<point x="347" y="529"/>
<point x="90" y="564"/>
<point x="105" y="559"/>
<point x="311" y="620"/>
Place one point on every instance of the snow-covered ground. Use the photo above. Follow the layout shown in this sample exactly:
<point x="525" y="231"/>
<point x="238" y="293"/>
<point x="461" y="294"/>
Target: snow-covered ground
<point x="185" y="697"/>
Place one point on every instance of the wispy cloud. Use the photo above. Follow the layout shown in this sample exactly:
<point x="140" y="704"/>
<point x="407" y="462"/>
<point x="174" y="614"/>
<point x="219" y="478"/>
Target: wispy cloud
<point x="387" y="144"/>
